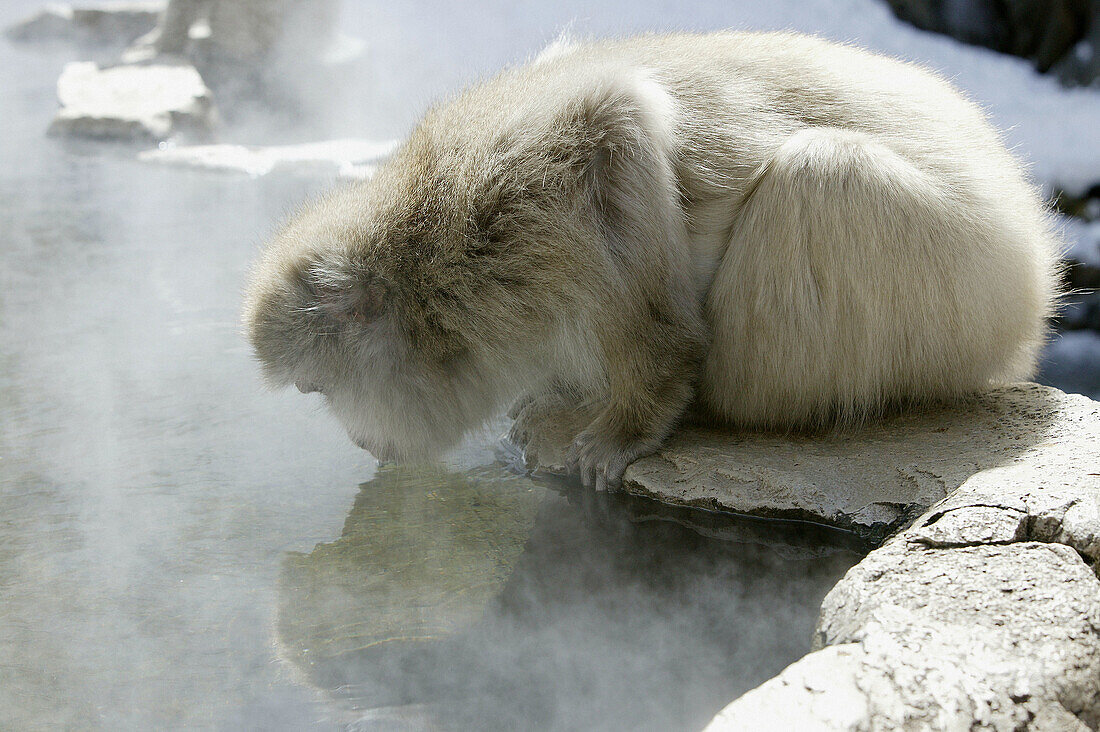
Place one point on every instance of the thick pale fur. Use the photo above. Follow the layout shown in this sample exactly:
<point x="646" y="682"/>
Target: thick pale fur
<point x="785" y="232"/>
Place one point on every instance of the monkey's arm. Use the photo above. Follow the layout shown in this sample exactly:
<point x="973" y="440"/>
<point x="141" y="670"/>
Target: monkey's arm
<point x="649" y="328"/>
<point x="650" y="383"/>
<point x="651" y="375"/>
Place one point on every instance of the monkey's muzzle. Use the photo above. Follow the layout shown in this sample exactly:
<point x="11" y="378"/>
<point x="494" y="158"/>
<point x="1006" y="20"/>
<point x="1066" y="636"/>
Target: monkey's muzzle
<point x="306" y="387"/>
<point x="381" y="454"/>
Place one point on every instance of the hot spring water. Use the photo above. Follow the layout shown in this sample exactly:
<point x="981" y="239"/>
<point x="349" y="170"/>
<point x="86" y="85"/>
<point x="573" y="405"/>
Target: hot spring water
<point x="179" y="548"/>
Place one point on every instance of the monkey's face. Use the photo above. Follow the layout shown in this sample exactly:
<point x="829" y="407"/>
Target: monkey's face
<point x="327" y="320"/>
<point x="407" y="414"/>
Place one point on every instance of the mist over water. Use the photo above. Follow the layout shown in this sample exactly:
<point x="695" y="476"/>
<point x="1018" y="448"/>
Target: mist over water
<point x="181" y="549"/>
<point x="160" y="512"/>
<point x="482" y="600"/>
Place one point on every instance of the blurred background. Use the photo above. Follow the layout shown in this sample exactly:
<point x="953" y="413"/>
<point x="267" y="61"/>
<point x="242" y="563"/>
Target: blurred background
<point x="180" y="549"/>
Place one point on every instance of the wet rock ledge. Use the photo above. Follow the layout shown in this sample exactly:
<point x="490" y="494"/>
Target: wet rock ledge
<point x="982" y="609"/>
<point x="872" y="481"/>
<point x="984" y="612"/>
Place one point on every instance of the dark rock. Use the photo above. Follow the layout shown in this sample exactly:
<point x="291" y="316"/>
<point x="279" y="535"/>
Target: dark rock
<point x="116" y="23"/>
<point x="1057" y="35"/>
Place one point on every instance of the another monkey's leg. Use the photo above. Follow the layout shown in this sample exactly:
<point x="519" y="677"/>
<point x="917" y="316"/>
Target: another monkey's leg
<point x="176" y="23"/>
<point x="651" y="371"/>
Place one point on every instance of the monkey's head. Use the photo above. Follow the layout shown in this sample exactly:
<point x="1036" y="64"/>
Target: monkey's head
<point x="338" y="305"/>
<point x="467" y="271"/>
<point x="388" y="299"/>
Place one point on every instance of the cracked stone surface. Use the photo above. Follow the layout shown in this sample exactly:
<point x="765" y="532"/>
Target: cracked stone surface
<point x="871" y="481"/>
<point x="153" y="102"/>
<point x="983" y="614"/>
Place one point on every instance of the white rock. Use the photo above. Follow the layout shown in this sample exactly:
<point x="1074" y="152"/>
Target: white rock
<point x="984" y="637"/>
<point x="984" y="614"/>
<point x="870" y="481"/>
<point x="350" y="158"/>
<point x="132" y="102"/>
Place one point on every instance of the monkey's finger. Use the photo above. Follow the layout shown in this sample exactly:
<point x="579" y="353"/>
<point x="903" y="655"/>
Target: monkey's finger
<point x="576" y="457"/>
<point x="588" y="477"/>
<point x="520" y="404"/>
<point x="518" y="436"/>
<point x="613" y="478"/>
<point x="616" y="470"/>
<point x="587" y="446"/>
<point x="573" y="464"/>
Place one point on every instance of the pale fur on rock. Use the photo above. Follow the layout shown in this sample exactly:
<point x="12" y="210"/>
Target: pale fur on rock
<point x="784" y="232"/>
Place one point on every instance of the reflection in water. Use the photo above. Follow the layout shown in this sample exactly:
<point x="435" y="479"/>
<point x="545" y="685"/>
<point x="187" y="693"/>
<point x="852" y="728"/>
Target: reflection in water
<point x="480" y="600"/>
<point x="421" y="555"/>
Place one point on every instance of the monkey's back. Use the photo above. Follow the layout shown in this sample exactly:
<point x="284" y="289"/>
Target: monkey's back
<point x="860" y="232"/>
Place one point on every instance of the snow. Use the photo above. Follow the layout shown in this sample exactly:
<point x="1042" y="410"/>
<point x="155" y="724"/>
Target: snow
<point x="435" y="48"/>
<point x="348" y="158"/>
<point x="130" y="102"/>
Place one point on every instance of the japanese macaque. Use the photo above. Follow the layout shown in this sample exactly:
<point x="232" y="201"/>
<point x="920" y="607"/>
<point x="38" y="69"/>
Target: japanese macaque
<point x="772" y="230"/>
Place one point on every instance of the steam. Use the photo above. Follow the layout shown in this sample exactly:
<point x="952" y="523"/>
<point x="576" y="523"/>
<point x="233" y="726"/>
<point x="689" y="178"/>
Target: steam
<point x="163" y="517"/>
<point x="481" y="600"/>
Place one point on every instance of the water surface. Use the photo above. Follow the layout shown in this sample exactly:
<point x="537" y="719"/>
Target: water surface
<point x="173" y="538"/>
<point x="181" y="549"/>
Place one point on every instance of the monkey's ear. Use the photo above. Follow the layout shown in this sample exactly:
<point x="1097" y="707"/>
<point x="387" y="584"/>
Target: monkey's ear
<point x="346" y="297"/>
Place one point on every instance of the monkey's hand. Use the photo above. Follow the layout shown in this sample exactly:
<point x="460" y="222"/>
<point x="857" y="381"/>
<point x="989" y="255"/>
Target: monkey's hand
<point x="633" y="422"/>
<point x="543" y="424"/>
<point x="600" y="457"/>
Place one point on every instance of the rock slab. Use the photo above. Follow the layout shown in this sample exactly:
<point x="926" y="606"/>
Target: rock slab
<point x="871" y="481"/>
<point x="984" y="614"/>
<point x="136" y="103"/>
